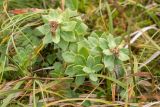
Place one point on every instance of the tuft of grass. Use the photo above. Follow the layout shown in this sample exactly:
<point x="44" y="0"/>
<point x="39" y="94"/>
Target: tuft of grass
<point x="32" y="74"/>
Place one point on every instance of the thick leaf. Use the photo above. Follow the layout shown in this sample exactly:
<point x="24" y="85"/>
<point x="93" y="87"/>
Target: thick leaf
<point x="103" y="43"/>
<point x="68" y="36"/>
<point x="87" y="103"/>
<point x="47" y="38"/>
<point x="73" y="47"/>
<point x="118" y="40"/>
<point x="83" y="43"/>
<point x="68" y="26"/>
<point x="68" y="57"/>
<point x="57" y="66"/>
<point x="63" y="44"/>
<point x="88" y="70"/>
<point x="56" y="73"/>
<point x="56" y="37"/>
<point x="78" y="69"/>
<point x="111" y="41"/>
<point x="93" y="34"/>
<point x="46" y="18"/>
<point x="54" y="13"/>
<point x="93" y="42"/>
<point x="84" y="51"/>
<point x="117" y="61"/>
<point x="122" y="56"/>
<point x="95" y="51"/>
<point x="51" y="58"/>
<point x="71" y="13"/>
<point x="109" y="62"/>
<point x="124" y="50"/>
<point x="93" y="77"/>
<point x="98" y="67"/>
<point x="68" y="14"/>
<point x="98" y="59"/>
<point x="69" y="71"/>
<point x="79" y="80"/>
<point x="81" y="28"/>
<point x="80" y="60"/>
<point x="90" y="61"/>
<point x="44" y="29"/>
<point x="52" y="16"/>
<point x="107" y="52"/>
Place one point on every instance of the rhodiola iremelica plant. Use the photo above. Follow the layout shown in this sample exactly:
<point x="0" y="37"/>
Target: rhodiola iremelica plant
<point x="84" y="57"/>
<point x="61" y="25"/>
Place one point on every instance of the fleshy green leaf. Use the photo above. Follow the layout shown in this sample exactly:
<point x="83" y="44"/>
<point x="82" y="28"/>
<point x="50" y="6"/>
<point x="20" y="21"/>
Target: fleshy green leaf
<point x="122" y="56"/>
<point x="47" y="38"/>
<point x="118" y="40"/>
<point x="90" y="61"/>
<point x="50" y="58"/>
<point x="103" y="43"/>
<point x="68" y="26"/>
<point x="111" y="41"/>
<point x="69" y="71"/>
<point x="98" y="59"/>
<point x="46" y="18"/>
<point x="54" y="13"/>
<point x="68" y="13"/>
<point x="84" y="51"/>
<point x="79" y="80"/>
<point x="81" y="29"/>
<point x="109" y="62"/>
<point x="56" y="37"/>
<point x="57" y="66"/>
<point x="68" y="57"/>
<point x="83" y="43"/>
<point x="107" y="52"/>
<point x="98" y="67"/>
<point x="95" y="51"/>
<point x="44" y="28"/>
<point x="63" y="44"/>
<point x="88" y="70"/>
<point x="68" y="36"/>
<point x="52" y="16"/>
<point x="92" y="41"/>
<point x="93" y="34"/>
<point x="117" y="61"/>
<point x="78" y="69"/>
<point x="93" y="77"/>
<point x="73" y="47"/>
<point x="124" y="50"/>
<point x="86" y="103"/>
<point x="80" y="60"/>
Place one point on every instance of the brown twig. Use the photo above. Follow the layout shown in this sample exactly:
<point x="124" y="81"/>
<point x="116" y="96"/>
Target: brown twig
<point x="62" y="4"/>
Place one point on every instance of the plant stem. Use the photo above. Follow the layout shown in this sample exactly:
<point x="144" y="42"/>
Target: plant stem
<point x="62" y="4"/>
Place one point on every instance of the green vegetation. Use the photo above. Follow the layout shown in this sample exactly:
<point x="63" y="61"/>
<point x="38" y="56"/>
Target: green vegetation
<point x="66" y="53"/>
